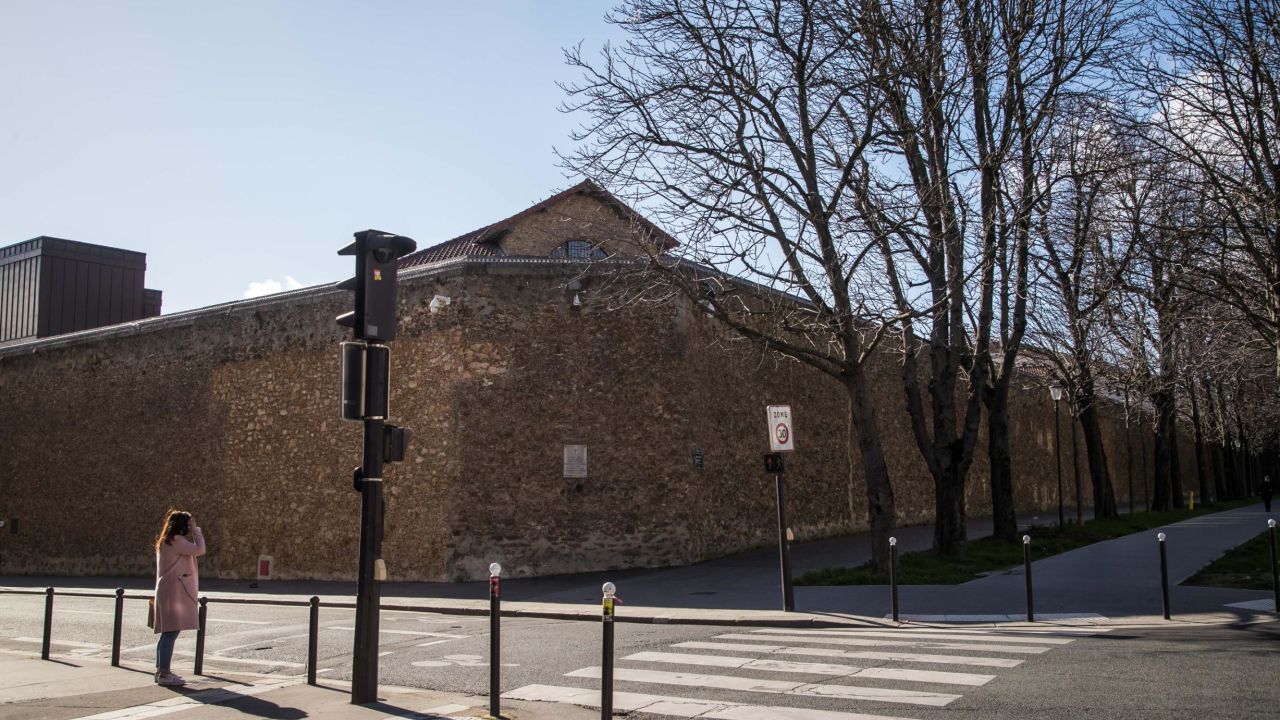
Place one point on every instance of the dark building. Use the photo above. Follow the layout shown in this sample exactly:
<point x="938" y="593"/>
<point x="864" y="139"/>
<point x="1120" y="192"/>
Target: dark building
<point x="50" y="286"/>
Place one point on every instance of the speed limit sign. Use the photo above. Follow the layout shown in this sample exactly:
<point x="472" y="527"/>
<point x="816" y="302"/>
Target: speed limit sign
<point x="782" y="435"/>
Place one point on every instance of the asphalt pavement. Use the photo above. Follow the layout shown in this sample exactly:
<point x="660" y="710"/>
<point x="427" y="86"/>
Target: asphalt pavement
<point x="1095" y="595"/>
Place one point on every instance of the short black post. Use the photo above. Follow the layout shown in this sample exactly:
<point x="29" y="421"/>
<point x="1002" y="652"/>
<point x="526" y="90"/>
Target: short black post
<point x="606" y="665"/>
<point x="115" y="634"/>
<point x="313" y="638"/>
<point x="1164" y="575"/>
<point x="495" y="641"/>
<point x="1275" y="570"/>
<point x="48" y="623"/>
<point x="204" y="609"/>
<point x="893" y="576"/>
<point x="1026" y="570"/>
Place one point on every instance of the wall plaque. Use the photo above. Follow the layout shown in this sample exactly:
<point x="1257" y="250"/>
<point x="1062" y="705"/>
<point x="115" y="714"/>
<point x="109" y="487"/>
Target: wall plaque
<point x="575" y="461"/>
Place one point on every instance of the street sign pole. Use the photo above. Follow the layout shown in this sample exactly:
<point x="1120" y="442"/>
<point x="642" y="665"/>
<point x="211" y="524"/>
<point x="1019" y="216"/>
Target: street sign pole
<point x="781" y="439"/>
<point x="784" y="552"/>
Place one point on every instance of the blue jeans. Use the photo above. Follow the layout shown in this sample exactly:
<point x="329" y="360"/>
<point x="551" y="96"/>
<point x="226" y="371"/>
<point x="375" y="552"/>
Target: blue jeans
<point x="164" y="650"/>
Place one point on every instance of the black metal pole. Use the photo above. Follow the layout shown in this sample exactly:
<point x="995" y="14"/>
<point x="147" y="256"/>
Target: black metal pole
<point x="364" y="675"/>
<point x="893" y="576"/>
<point x="313" y="639"/>
<point x="606" y="663"/>
<point x="495" y="641"/>
<point x="784" y="551"/>
<point x="1164" y="575"/>
<point x="119" y="624"/>
<point x="204" y="610"/>
<point x="1275" y="571"/>
<point x="1057" y="453"/>
<point x="48" y="624"/>
<point x="1026" y="570"/>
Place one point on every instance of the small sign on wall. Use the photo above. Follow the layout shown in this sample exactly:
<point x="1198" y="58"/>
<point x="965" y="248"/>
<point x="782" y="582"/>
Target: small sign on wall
<point x="575" y="461"/>
<point x="264" y="567"/>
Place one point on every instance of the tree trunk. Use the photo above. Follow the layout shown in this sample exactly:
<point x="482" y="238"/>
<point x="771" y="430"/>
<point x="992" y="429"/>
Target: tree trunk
<point x="1104" y="497"/>
<point x="880" y="508"/>
<point x="1219" y="473"/>
<point x="1202" y="475"/>
<point x="1004" y="521"/>
<point x="1128" y="451"/>
<point x="949" y="533"/>
<point x="1146" y="477"/>
<point x="1166" y="439"/>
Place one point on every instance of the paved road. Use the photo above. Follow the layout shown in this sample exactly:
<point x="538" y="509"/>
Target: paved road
<point x="736" y="673"/>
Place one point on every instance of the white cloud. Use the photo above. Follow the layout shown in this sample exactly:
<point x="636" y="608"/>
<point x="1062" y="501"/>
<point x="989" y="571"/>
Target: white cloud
<point x="271" y="286"/>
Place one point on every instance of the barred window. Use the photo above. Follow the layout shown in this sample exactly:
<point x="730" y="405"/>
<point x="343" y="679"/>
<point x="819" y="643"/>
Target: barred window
<point x="578" y="250"/>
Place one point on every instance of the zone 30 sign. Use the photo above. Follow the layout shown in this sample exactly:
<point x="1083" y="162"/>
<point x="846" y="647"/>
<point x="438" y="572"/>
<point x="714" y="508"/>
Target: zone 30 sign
<point x="781" y="434"/>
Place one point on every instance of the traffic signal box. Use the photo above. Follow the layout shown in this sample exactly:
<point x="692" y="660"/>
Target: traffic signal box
<point x="374" y="283"/>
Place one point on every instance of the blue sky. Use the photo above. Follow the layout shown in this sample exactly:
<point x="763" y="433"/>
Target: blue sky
<point x="243" y="142"/>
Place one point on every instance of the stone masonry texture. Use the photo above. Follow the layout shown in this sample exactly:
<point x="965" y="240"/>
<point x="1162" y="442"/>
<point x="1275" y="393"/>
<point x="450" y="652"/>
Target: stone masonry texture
<point x="231" y="412"/>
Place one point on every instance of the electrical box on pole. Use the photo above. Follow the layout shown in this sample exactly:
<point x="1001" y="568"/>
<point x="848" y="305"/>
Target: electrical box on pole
<point x="365" y="388"/>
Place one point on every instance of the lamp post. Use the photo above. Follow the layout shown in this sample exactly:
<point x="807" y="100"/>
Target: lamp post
<point x="1055" y="391"/>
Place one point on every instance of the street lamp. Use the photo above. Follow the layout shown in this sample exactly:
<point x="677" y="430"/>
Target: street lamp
<point x="1055" y="391"/>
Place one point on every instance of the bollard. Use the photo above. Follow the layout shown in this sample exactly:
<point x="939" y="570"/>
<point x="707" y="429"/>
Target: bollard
<point x="1026" y="569"/>
<point x="893" y="576"/>
<point x="606" y="665"/>
<point x="313" y="637"/>
<point x="1275" y="573"/>
<point x="1164" y="575"/>
<point x="48" y="623"/>
<point x="495" y="644"/>
<point x="204" y="607"/>
<point x="115" y="635"/>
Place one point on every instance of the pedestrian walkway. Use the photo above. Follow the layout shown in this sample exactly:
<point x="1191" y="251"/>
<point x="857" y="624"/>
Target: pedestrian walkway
<point x="1113" y="579"/>
<point x="796" y="674"/>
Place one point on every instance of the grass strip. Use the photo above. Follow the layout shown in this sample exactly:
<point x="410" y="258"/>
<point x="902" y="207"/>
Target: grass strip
<point x="1246" y="566"/>
<point x="987" y="555"/>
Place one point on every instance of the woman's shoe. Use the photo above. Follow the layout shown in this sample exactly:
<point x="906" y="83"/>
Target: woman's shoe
<point x="170" y="679"/>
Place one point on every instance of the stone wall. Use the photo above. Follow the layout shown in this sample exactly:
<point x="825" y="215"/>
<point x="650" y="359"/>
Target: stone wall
<point x="231" y="412"/>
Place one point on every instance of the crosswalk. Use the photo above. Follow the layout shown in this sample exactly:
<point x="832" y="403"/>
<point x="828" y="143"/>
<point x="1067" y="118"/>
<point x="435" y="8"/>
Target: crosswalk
<point x="786" y="673"/>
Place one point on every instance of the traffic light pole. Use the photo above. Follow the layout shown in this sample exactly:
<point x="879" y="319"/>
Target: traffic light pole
<point x="364" y="673"/>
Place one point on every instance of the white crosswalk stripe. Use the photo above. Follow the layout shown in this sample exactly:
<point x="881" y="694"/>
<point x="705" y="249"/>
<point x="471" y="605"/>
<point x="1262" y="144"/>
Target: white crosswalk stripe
<point x="729" y="661"/>
<point x="746" y="664"/>
<point x="853" y="654"/>
<point x="927" y="634"/>
<point x="681" y="707"/>
<point x="869" y="642"/>
<point x="777" y="687"/>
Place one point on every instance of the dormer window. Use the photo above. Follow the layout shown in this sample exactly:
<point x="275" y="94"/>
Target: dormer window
<point x="578" y="250"/>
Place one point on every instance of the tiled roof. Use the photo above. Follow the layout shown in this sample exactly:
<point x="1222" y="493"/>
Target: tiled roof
<point x="483" y="242"/>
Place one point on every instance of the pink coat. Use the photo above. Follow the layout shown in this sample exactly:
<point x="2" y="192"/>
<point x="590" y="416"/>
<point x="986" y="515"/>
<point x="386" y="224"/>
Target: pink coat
<point x="178" y="583"/>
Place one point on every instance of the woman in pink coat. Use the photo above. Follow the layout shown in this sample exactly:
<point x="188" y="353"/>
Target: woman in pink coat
<point x="177" y="587"/>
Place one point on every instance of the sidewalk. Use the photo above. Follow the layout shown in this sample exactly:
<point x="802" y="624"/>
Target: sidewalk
<point x="1115" y="579"/>
<point x="1112" y="583"/>
<point x="90" y="689"/>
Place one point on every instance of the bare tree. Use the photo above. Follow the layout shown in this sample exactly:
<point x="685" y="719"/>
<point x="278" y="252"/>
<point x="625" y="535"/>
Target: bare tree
<point x="744" y="127"/>
<point x="1214" y="87"/>
<point x="1083" y="259"/>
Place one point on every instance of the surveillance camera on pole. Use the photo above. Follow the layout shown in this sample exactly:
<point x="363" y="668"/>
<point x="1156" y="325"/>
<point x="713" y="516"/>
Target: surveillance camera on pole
<point x="365" y="392"/>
